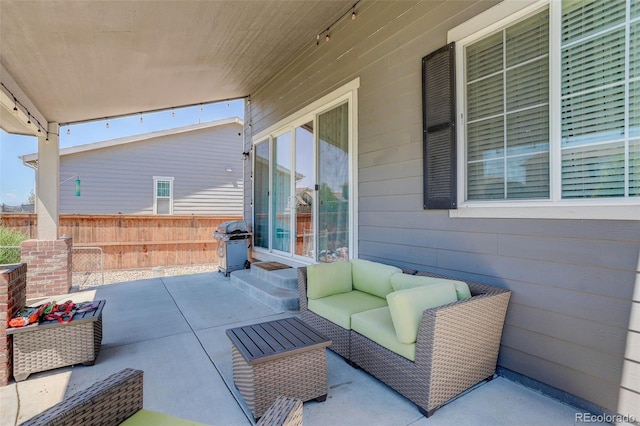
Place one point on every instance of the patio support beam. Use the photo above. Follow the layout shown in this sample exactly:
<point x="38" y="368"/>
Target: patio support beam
<point x="47" y="178"/>
<point x="26" y="112"/>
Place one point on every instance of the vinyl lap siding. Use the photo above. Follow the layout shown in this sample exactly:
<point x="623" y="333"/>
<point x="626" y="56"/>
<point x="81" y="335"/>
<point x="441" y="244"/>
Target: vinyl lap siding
<point x="572" y="323"/>
<point x="119" y="179"/>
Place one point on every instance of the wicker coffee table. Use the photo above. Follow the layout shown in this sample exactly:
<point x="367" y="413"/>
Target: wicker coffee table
<point x="281" y="357"/>
<point x="51" y="345"/>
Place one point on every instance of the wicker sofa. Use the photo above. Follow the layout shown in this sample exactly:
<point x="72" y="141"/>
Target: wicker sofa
<point x="118" y="400"/>
<point x="456" y="347"/>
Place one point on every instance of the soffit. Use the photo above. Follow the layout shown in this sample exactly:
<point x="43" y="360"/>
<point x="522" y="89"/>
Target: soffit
<point x="82" y="60"/>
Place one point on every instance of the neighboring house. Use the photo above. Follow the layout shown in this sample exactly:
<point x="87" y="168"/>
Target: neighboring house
<point x="194" y="169"/>
<point x="529" y="176"/>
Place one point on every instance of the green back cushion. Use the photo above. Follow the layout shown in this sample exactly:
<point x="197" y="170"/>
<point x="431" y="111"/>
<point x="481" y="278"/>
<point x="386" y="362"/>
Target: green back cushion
<point x="404" y="281"/>
<point x="376" y="324"/>
<point x="372" y="277"/>
<point x="339" y="307"/>
<point x="406" y="307"/>
<point x="147" y="418"/>
<point x="326" y="279"/>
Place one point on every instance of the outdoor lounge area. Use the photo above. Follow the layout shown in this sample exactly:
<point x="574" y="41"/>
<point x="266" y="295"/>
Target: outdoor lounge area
<point x="173" y="328"/>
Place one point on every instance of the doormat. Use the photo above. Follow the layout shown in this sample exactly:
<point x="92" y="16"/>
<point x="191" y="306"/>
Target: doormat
<point x="271" y="266"/>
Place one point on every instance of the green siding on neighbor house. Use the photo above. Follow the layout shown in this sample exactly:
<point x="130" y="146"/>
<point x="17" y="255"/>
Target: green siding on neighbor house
<point x="570" y="323"/>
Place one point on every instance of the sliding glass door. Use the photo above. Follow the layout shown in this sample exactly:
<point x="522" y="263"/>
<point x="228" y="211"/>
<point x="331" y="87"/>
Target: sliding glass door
<point x="261" y="195"/>
<point x="333" y="184"/>
<point x="302" y="186"/>
<point x="281" y="170"/>
<point x="304" y="191"/>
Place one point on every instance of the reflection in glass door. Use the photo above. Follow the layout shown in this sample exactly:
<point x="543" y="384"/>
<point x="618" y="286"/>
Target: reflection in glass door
<point x="304" y="190"/>
<point x="333" y="182"/>
<point x="281" y="225"/>
<point x="261" y="195"/>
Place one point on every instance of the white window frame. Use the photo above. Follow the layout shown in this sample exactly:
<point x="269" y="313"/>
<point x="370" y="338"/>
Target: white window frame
<point x="156" y="180"/>
<point x="347" y="93"/>
<point x="493" y="19"/>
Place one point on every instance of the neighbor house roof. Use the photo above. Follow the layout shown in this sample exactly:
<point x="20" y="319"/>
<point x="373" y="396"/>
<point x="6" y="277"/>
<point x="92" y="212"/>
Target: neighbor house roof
<point x="31" y="160"/>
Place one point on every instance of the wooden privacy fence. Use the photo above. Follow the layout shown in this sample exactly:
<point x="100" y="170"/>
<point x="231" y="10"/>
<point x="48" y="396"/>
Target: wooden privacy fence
<point x="131" y="241"/>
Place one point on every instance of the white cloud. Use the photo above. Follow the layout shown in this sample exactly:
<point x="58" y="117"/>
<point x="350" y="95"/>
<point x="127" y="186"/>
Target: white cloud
<point x="10" y="196"/>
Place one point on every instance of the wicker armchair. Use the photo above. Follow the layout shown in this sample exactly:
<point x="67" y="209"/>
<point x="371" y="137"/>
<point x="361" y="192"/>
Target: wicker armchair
<point x="107" y="402"/>
<point x="457" y="346"/>
<point x="113" y="400"/>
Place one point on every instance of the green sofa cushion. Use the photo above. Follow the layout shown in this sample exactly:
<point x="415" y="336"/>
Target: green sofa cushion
<point x="327" y="279"/>
<point x="376" y="324"/>
<point x="406" y="307"/>
<point x="372" y="277"/>
<point x="404" y="281"/>
<point x="339" y="307"/>
<point x="152" y="418"/>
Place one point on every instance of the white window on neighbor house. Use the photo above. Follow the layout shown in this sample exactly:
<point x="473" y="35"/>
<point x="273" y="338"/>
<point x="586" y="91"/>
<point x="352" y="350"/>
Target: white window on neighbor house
<point x="162" y="195"/>
<point x="548" y="109"/>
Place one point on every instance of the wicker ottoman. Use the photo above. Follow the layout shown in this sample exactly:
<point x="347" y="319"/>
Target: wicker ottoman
<point x="281" y="357"/>
<point x="52" y="345"/>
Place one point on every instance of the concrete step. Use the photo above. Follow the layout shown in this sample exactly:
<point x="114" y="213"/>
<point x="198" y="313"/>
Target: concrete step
<point x="276" y="297"/>
<point x="287" y="278"/>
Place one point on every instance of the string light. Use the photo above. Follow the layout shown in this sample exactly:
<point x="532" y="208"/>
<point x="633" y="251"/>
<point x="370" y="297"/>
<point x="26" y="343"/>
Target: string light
<point x="17" y="106"/>
<point x="41" y="129"/>
<point x="327" y="37"/>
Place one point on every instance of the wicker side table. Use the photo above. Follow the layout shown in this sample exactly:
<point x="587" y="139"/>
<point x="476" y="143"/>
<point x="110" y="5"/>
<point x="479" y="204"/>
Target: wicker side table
<point x="281" y="357"/>
<point x="52" y="345"/>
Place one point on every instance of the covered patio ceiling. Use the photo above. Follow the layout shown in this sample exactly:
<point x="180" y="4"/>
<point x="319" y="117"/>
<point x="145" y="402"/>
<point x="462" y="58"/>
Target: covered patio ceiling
<point x="84" y="60"/>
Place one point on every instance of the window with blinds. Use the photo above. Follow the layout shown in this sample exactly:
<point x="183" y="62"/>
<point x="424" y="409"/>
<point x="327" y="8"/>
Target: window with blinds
<point x="515" y="148"/>
<point x="599" y="84"/>
<point x="507" y="117"/>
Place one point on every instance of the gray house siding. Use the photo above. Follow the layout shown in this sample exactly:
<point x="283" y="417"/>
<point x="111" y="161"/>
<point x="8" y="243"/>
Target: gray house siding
<point x="570" y="324"/>
<point x="119" y="179"/>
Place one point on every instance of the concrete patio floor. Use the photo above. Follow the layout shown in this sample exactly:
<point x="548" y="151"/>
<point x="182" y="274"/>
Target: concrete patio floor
<point x="173" y="328"/>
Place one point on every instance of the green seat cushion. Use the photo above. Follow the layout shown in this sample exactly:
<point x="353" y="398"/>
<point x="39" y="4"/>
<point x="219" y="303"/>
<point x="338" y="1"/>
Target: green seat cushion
<point x="406" y="307"/>
<point x="372" y="277"/>
<point x="376" y="324"/>
<point x="339" y="307"/>
<point x="327" y="279"/>
<point x="404" y="281"/>
<point x="153" y="418"/>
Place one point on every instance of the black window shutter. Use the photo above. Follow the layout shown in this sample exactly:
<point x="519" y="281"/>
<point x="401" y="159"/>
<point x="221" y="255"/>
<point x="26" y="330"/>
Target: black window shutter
<point x="438" y="117"/>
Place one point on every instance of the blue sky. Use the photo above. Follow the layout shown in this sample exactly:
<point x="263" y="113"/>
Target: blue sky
<point x="17" y="180"/>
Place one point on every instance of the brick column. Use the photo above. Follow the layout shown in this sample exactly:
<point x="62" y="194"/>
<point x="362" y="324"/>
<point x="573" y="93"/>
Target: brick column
<point x="13" y="297"/>
<point x="49" y="265"/>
